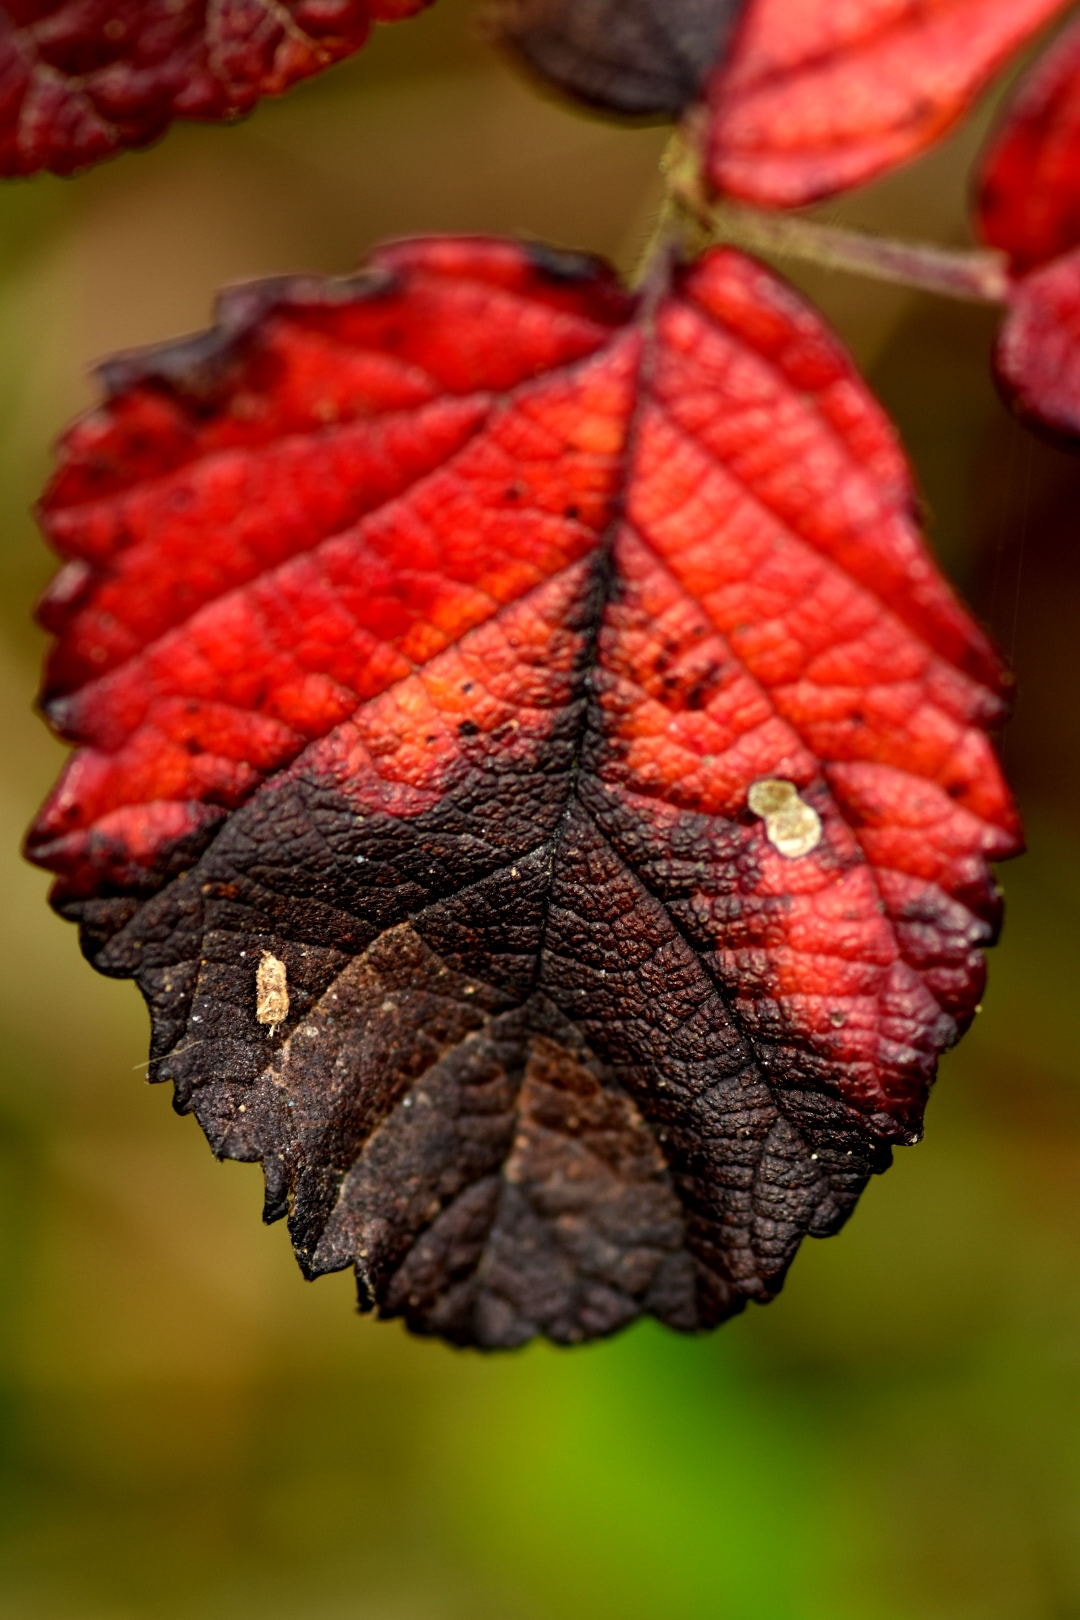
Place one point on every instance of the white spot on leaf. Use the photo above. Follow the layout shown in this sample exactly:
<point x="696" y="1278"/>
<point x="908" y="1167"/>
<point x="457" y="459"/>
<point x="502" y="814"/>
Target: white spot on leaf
<point x="792" y="826"/>
<point x="271" y="992"/>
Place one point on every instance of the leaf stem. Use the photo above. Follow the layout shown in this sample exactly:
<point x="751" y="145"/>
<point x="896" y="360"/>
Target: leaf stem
<point x="978" y="275"/>
<point x="661" y="242"/>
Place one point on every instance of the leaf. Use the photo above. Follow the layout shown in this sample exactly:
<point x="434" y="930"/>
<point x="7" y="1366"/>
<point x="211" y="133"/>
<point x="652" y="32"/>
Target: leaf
<point x="1037" y="354"/>
<point x="1028" y="205"/>
<point x="818" y="97"/>
<point x="532" y="769"/>
<point x="81" y="80"/>
<point x="643" y="58"/>
<point x="1029" y="187"/>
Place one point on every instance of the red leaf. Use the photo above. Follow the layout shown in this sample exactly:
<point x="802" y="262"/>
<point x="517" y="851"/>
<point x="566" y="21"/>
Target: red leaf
<point x="533" y="770"/>
<point x="1029" y="188"/>
<point x="81" y="80"/>
<point x="818" y="97"/>
<point x="1037" y="356"/>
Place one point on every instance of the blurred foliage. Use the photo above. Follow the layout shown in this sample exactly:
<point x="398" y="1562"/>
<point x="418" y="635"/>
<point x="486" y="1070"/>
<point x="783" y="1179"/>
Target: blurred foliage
<point x="188" y="1429"/>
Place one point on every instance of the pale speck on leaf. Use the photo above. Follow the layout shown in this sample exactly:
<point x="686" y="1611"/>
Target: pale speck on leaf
<point x="271" y="991"/>
<point x="792" y="826"/>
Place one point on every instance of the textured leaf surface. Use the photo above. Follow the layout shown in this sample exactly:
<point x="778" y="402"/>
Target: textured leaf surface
<point x="1037" y="356"/>
<point x="531" y="767"/>
<point x="645" y="58"/>
<point x="83" y="79"/>
<point x="820" y="96"/>
<point x="1029" y="189"/>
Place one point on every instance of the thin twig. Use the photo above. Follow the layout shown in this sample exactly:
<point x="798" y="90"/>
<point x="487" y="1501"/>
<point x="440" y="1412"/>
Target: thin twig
<point x="973" y="274"/>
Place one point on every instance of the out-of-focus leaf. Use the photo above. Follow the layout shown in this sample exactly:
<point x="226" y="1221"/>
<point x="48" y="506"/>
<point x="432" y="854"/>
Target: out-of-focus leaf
<point x="1037" y="356"/>
<point x="1028" y="200"/>
<point x="819" y="95"/>
<point x="645" y="58"/>
<point x="81" y="80"/>
<point x="533" y="770"/>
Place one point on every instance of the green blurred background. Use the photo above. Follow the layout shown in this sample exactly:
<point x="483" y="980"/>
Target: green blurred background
<point x="189" y="1429"/>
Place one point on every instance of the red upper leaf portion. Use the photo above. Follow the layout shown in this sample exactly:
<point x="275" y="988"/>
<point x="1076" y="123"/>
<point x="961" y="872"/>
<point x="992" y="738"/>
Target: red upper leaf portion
<point x="83" y="79"/>
<point x="1029" y="189"/>
<point x="818" y="96"/>
<point x="555" y="686"/>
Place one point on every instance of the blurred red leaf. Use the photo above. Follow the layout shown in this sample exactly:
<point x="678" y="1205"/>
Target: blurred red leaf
<point x="818" y="97"/>
<point x="532" y="769"/>
<point x="1029" y="188"/>
<point x="1037" y="356"/>
<point x="81" y="80"/>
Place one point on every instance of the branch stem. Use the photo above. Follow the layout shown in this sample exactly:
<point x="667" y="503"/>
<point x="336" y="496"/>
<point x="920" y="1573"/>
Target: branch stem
<point x="974" y="274"/>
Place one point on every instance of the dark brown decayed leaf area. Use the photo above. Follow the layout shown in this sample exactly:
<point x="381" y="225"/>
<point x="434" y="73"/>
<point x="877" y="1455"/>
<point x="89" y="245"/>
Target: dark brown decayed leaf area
<point x="642" y="58"/>
<point x="81" y="80"/>
<point x="533" y="770"/>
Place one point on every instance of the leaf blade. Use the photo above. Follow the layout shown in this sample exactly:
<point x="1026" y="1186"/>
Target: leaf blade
<point x="1028" y="199"/>
<point x="570" y="1032"/>
<point x="82" y="82"/>
<point x="816" y="99"/>
<point x="641" y="60"/>
<point x="1037" y="353"/>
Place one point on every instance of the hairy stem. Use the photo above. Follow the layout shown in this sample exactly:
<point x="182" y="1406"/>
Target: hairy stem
<point x="661" y="241"/>
<point x="973" y="274"/>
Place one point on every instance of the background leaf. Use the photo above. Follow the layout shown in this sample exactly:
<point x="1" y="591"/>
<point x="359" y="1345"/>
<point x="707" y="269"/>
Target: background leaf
<point x="1037" y="354"/>
<point x="81" y="80"/>
<point x="1028" y="201"/>
<point x="646" y="58"/>
<point x="819" y="97"/>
